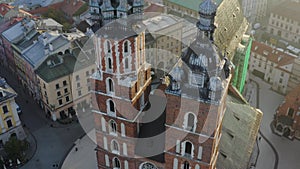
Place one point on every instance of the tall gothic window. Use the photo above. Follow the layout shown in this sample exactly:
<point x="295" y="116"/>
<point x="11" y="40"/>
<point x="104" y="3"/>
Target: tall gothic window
<point x="110" y="85"/>
<point x="111" y="106"/>
<point x="190" y="122"/>
<point x="109" y="63"/>
<point x="126" y="46"/>
<point x="112" y="126"/>
<point x="114" y="146"/>
<point x="116" y="163"/>
<point x="188" y="148"/>
<point x="186" y="165"/>
<point x="108" y="47"/>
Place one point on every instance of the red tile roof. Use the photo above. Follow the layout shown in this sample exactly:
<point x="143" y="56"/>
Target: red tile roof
<point x="4" y="8"/>
<point x="154" y="7"/>
<point x="272" y="54"/>
<point x="71" y="6"/>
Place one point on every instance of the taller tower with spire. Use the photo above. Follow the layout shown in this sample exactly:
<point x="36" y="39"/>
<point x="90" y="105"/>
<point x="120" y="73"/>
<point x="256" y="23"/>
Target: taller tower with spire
<point x="207" y="12"/>
<point x="104" y="11"/>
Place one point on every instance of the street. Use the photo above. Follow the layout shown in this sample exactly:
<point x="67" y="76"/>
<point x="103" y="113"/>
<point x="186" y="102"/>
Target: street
<point x="53" y="143"/>
<point x="287" y="150"/>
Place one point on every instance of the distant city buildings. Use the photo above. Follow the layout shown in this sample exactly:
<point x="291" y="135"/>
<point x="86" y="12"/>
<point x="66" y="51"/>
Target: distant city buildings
<point x="272" y="65"/>
<point x="254" y="10"/>
<point x="163" y="41"/>
<point x="287" y="117"/>
<point x="284" y="21"/>
<point x="10" y="124"/>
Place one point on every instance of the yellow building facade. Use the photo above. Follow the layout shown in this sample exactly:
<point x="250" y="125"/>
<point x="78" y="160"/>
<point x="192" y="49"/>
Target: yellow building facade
<point x="10" y="124"/>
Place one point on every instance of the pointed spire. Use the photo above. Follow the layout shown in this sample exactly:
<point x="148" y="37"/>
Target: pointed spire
<point x="208" y="7"/>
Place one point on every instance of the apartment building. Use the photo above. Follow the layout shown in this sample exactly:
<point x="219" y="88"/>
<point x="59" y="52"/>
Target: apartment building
<point x="272" y="65"/>
<point x="284" y="21"/>
<point x="64" y="84"/>
<point x="10" y="124"/>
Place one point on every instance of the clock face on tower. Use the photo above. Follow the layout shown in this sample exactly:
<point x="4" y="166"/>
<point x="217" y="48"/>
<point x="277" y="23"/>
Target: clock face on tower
<point x="148" y="166"/>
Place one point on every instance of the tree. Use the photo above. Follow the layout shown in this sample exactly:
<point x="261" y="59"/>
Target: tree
<point x="15" y="148"/>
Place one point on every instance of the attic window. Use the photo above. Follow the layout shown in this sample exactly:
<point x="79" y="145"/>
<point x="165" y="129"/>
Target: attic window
<point x="223" y="154"/>
<point x="230" y="134"/>
<point x="236" y="117"/>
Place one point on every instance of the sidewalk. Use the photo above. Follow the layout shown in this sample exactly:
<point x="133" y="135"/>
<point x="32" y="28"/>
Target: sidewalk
<point x="32" y="144"/>
<point x="82" y="155"/>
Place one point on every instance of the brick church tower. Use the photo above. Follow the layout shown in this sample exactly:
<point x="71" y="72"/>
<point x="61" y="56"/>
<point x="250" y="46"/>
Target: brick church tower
<point x="121" y="92"/>
<point x="196" y="100"/>
<point x="189" y="127"/>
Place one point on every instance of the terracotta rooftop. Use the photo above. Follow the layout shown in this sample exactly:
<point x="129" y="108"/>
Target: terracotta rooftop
<point x="154" y="7"/>
<point x="272" y="54"/>
<point x="4" y="8"/>
<point x="71" y="6"/>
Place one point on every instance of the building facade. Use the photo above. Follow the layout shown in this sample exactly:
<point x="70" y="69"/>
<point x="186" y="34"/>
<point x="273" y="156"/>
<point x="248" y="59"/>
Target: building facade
<point x="67" y="87"/>
<point x="9" y="119"/>
<point x="254" y="10"/>
<point x="284" y="21"/>
<point x="272" y="65"/>
<point x="287" y="117"/>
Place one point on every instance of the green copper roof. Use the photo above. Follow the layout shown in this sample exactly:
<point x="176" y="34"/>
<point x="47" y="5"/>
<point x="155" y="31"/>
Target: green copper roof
<point x="191" y="4"/>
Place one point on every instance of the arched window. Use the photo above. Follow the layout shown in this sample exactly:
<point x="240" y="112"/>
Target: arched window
<point x="186" y="165"/>
<point x="112" y="126"/>
<point x="114" y="146"/>
<point x="116" y="163"/>
<point x="126" y="46"/>
<point x="190" y="122"/>
<point x="197" y="166"/>
<point x="111" y="106"/>
<point x="108" y="47"/>
<point x="109" y="63"/>
<point x="110" y="85"/>
<point x="188" y="148"/>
